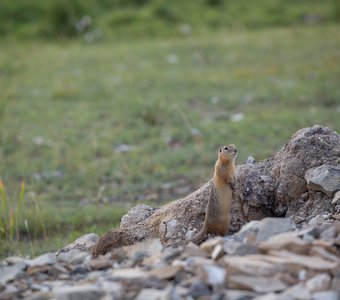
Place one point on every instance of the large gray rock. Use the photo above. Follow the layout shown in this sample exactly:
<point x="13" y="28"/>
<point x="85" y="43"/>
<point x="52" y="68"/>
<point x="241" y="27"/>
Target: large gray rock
<point x="325" y="178"/>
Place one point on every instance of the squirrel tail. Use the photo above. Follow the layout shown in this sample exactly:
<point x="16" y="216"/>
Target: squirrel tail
<point x="115" y="238"/>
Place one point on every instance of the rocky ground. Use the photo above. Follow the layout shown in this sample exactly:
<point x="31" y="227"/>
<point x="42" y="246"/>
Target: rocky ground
<point x="267" y="259"/>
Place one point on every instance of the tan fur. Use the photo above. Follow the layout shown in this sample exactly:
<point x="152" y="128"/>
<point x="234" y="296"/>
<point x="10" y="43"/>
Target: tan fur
<point x="218" y="209"/>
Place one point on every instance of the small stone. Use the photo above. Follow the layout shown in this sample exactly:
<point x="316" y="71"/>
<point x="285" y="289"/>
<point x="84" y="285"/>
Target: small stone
<point x="285" y="241"/>
<point x="230" y="247"/>
<point x="41" y="263"/>
<point x="128" y="273"/>
<point x="192" y="249"/>
<point x="38" y="287"/>
<point x="153" y="294"/>
<point x="114" y="290"/>
<point x="78" y="292"/>
<point x="246" y="249"/>
<point x="328" y="233"/>
<point x="309" y="234"/>
<point x="250" y="228"/>
<point x="237" y="117"/>
<point x="297" y="291"/>
<point x="171" y="228"/>
<point x="215" y="276"/>
<point x="326" y="295"/>
<point x="101" y="262"/>
<point x="148" y="251"/>
<point x="317" y="220"/>
<point x="337" y="208"/>
<point x="80" y="270"/>
<point x="136" y="214"/>
<point x="319" y="283"/>
<point x="169" y="254"/>
<point x="239" y="294"/>
<point x="298" y="219"/>
<point x="10" y="292"/>
<point x="323" y="253"/>
<point x="336" y="217"/>
<point x="85" y="242"/>
<point x="209" y="245"/>
<point x="172" y="59"/>
<point x="190" y="235"/>
<point x="40" y="296"/>
<point x="336" y="199"/>
<point x="272" y="226"/>
<point x="166" y="272"/>
<point x="45" y="259"/>
<point x="313" y="263"/>
<point x="302" y="275"/>
<point x="123" y="148"/>
<point x="252" y="264"/>
<point x="258" y="284"/>
<point x="9" y="273"/>
<point x="269" y="296"/>
<point x="325" y="178"/>
<point x="38" y="269"/>
<point x="336" y="283"/>
<point x="217" y="252"/>
<point x="199" y="289"/>
<point x="73" y="256"/>
<point x="12" y="260"/>
<point x="250" y="160"/>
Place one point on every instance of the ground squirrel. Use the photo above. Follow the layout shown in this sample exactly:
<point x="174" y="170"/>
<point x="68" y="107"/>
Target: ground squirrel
<point x="218" y="207"/>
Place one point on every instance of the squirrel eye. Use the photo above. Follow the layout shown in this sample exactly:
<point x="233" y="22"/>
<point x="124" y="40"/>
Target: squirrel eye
<point x="226" y="148"/>
<point x="221" y="149"/>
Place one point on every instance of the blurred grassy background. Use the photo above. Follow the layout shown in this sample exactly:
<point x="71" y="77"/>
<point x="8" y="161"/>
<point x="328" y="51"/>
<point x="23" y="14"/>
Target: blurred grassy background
<point x="105" y="104"/>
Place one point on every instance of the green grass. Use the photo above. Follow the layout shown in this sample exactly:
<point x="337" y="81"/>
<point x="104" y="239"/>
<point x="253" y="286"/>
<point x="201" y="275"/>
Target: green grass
<point x="107" y="19"/>
<point x="66" y="107"/>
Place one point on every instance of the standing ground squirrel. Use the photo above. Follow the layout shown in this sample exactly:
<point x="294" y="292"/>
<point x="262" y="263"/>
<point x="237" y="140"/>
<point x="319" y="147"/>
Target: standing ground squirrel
<point x="218" y="208"/>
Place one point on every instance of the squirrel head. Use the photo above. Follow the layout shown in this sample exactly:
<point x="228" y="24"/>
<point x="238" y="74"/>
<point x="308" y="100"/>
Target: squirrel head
<point x="227" y="153"/>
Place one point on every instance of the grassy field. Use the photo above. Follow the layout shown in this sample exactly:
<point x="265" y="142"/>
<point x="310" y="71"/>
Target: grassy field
<point x="92" y="129"/>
